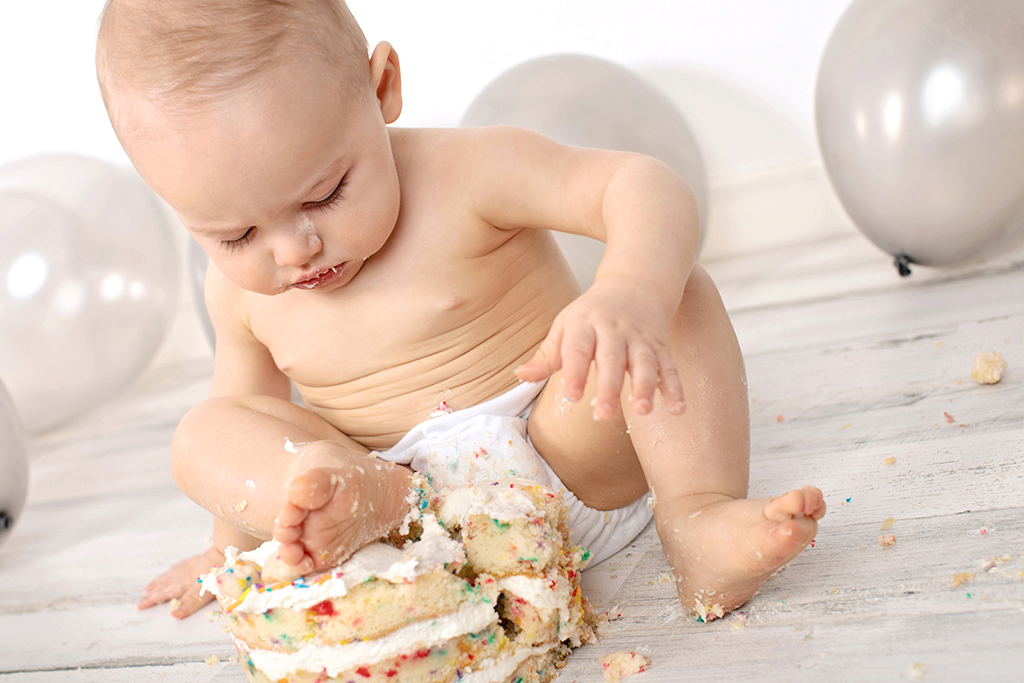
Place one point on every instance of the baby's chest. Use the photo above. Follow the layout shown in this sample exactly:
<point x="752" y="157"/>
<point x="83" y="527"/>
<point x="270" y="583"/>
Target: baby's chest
<point x="442" y="319"/>
<point x="341" y="338"/>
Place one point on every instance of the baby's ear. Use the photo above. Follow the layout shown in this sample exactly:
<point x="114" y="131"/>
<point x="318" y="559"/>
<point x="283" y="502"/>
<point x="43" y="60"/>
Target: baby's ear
<point x="386" y="77"/>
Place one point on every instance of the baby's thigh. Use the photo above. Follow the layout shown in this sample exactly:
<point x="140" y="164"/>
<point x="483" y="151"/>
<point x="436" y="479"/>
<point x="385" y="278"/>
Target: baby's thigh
<point x="593" y="458"/>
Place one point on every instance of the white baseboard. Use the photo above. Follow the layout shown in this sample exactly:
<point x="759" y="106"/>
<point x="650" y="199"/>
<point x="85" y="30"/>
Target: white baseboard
<point x="782" y="205"/>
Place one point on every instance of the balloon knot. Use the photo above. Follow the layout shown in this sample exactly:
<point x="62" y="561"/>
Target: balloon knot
<point x="902" y="264"/>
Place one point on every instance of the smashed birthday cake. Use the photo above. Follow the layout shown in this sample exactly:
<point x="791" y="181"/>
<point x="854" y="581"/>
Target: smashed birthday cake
<point x="479" y="585"/>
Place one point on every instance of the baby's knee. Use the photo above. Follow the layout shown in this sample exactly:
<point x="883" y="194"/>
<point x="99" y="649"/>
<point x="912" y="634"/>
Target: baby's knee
<point x="187" y="440"/>
<point x="700" y="289"/>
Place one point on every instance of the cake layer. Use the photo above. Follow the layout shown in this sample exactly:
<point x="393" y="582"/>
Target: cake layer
<point x="509" y="527"/>
<point x="474" y="622"/>
<point x="373" y="609"/>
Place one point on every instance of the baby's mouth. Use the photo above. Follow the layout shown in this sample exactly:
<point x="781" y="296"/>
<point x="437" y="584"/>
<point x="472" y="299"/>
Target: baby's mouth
<point x="324" y="277"/>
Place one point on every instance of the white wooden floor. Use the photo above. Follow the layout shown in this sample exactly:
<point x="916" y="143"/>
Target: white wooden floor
<point x="859" y="383"/>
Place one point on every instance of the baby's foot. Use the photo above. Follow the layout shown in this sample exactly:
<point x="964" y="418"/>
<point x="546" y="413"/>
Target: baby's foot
<point x="722" y="549"/>
<point x="334" y="510"/>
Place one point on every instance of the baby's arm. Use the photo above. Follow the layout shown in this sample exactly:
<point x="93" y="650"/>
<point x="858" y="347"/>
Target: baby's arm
<point x="647" y="217"/>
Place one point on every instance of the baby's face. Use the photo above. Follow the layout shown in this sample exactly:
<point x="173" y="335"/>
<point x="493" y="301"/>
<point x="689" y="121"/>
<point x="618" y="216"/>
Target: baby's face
<point x="290" y="186"/>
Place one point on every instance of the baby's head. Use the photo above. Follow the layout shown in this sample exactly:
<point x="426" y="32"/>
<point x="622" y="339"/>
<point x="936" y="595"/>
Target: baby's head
<point x="191" y="55"/>
<point x="249" y="117"/>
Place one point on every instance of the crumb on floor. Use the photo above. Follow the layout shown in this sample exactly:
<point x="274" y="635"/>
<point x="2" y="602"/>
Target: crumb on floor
<point x="917" y="671"/>
<point x="988" y="368"/>
<point x="887" y="540"/>
<point x="618" y="665"/>
<point x="962" y="578"/>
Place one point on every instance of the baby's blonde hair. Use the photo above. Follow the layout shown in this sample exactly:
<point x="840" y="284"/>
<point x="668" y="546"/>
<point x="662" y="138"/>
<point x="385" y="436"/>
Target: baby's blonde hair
<point x="195" y="52"/>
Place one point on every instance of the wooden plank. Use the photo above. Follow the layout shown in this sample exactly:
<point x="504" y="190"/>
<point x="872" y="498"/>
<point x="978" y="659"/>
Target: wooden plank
<point x="192" y="672"/>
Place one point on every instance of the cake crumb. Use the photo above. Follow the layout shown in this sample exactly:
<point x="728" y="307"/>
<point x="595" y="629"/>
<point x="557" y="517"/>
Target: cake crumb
<point x="962" y="578"/>
<point x="212" y="659"/>
<point x="887" y="523"/>
<point x="889" y="461"/>
<point x="706" y="613"/>
<point x="887" y="540"/>
<point x="988" y="368"/>
<point x="917" y="671"/>
<point x="618" y="665"/>
<point x="175" y="604"/>
<point x="441" y="409"/>
<point x="241" y="506"/>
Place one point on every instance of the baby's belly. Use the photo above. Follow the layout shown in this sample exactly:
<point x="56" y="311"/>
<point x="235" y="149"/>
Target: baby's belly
<point x="378" y="409"/>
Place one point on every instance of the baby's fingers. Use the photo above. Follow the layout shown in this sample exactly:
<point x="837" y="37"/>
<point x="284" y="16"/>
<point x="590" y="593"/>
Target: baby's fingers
<point x="160" y="590"/>
<point x="643" y="378"/>
<point x="546" y="361"/>
<point x="577" y="352"/>
<point x="670" y="385"/>
<point x="611" y="369"/>
<point x="190" y="602"/>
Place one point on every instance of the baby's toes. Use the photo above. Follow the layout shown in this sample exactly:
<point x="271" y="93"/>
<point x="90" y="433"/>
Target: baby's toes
<point x="785" y="507"/>
<point x="290" y="517"/>
<point x="790" y="537"/>
<point x="311" y="490"/>
<point x="814" y="502"/>
<point x="288" y="564"/>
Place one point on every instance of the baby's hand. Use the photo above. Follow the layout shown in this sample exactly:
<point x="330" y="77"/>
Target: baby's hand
<point x="180" y="583"/>
<point x="625" y="329"/>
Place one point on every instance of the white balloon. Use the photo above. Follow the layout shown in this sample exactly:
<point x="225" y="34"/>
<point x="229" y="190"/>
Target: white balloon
<point x="919" y="107"/>
<point x="590" y="102"/>
<point x="89" y="284"/>
<point x="13" y="466"/>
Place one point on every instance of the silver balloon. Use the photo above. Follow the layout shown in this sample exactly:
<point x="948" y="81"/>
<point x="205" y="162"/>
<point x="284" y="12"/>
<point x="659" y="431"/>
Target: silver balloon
<point x="919" y="109"/>
<point x="589" y="102"/>
<point x="89" y="284"/>
<point x="13" y="466"/>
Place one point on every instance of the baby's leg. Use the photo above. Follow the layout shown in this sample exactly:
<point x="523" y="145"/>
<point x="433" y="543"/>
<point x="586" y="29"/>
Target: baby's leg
<point x="268" y="467"/>
<point x="720" y="545"/>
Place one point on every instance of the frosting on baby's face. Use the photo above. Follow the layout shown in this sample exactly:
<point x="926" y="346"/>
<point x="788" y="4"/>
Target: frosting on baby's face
<point x="289" y="185"/>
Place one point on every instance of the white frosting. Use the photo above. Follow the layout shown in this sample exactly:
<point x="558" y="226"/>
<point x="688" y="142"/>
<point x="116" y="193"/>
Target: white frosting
<point x="375" y="561"/>
<point x="501" y="501"/>
<point x="501" y="669"/>
<point x="546" y="592"/>
<point x="338" y="658"/>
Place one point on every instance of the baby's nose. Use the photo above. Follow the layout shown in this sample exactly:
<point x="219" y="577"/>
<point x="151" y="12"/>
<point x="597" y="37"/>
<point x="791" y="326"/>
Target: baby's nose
<point x="295" y="247"/>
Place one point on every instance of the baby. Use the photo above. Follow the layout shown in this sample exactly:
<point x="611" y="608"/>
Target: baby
<point x="407" y="283"/>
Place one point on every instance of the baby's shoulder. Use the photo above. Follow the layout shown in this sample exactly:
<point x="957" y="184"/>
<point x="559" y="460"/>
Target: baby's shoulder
<point x="420" y="152"/>
<point x="227" y="304"/>
<point x="447" y="167"/>
<point x="441" y="145"/>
